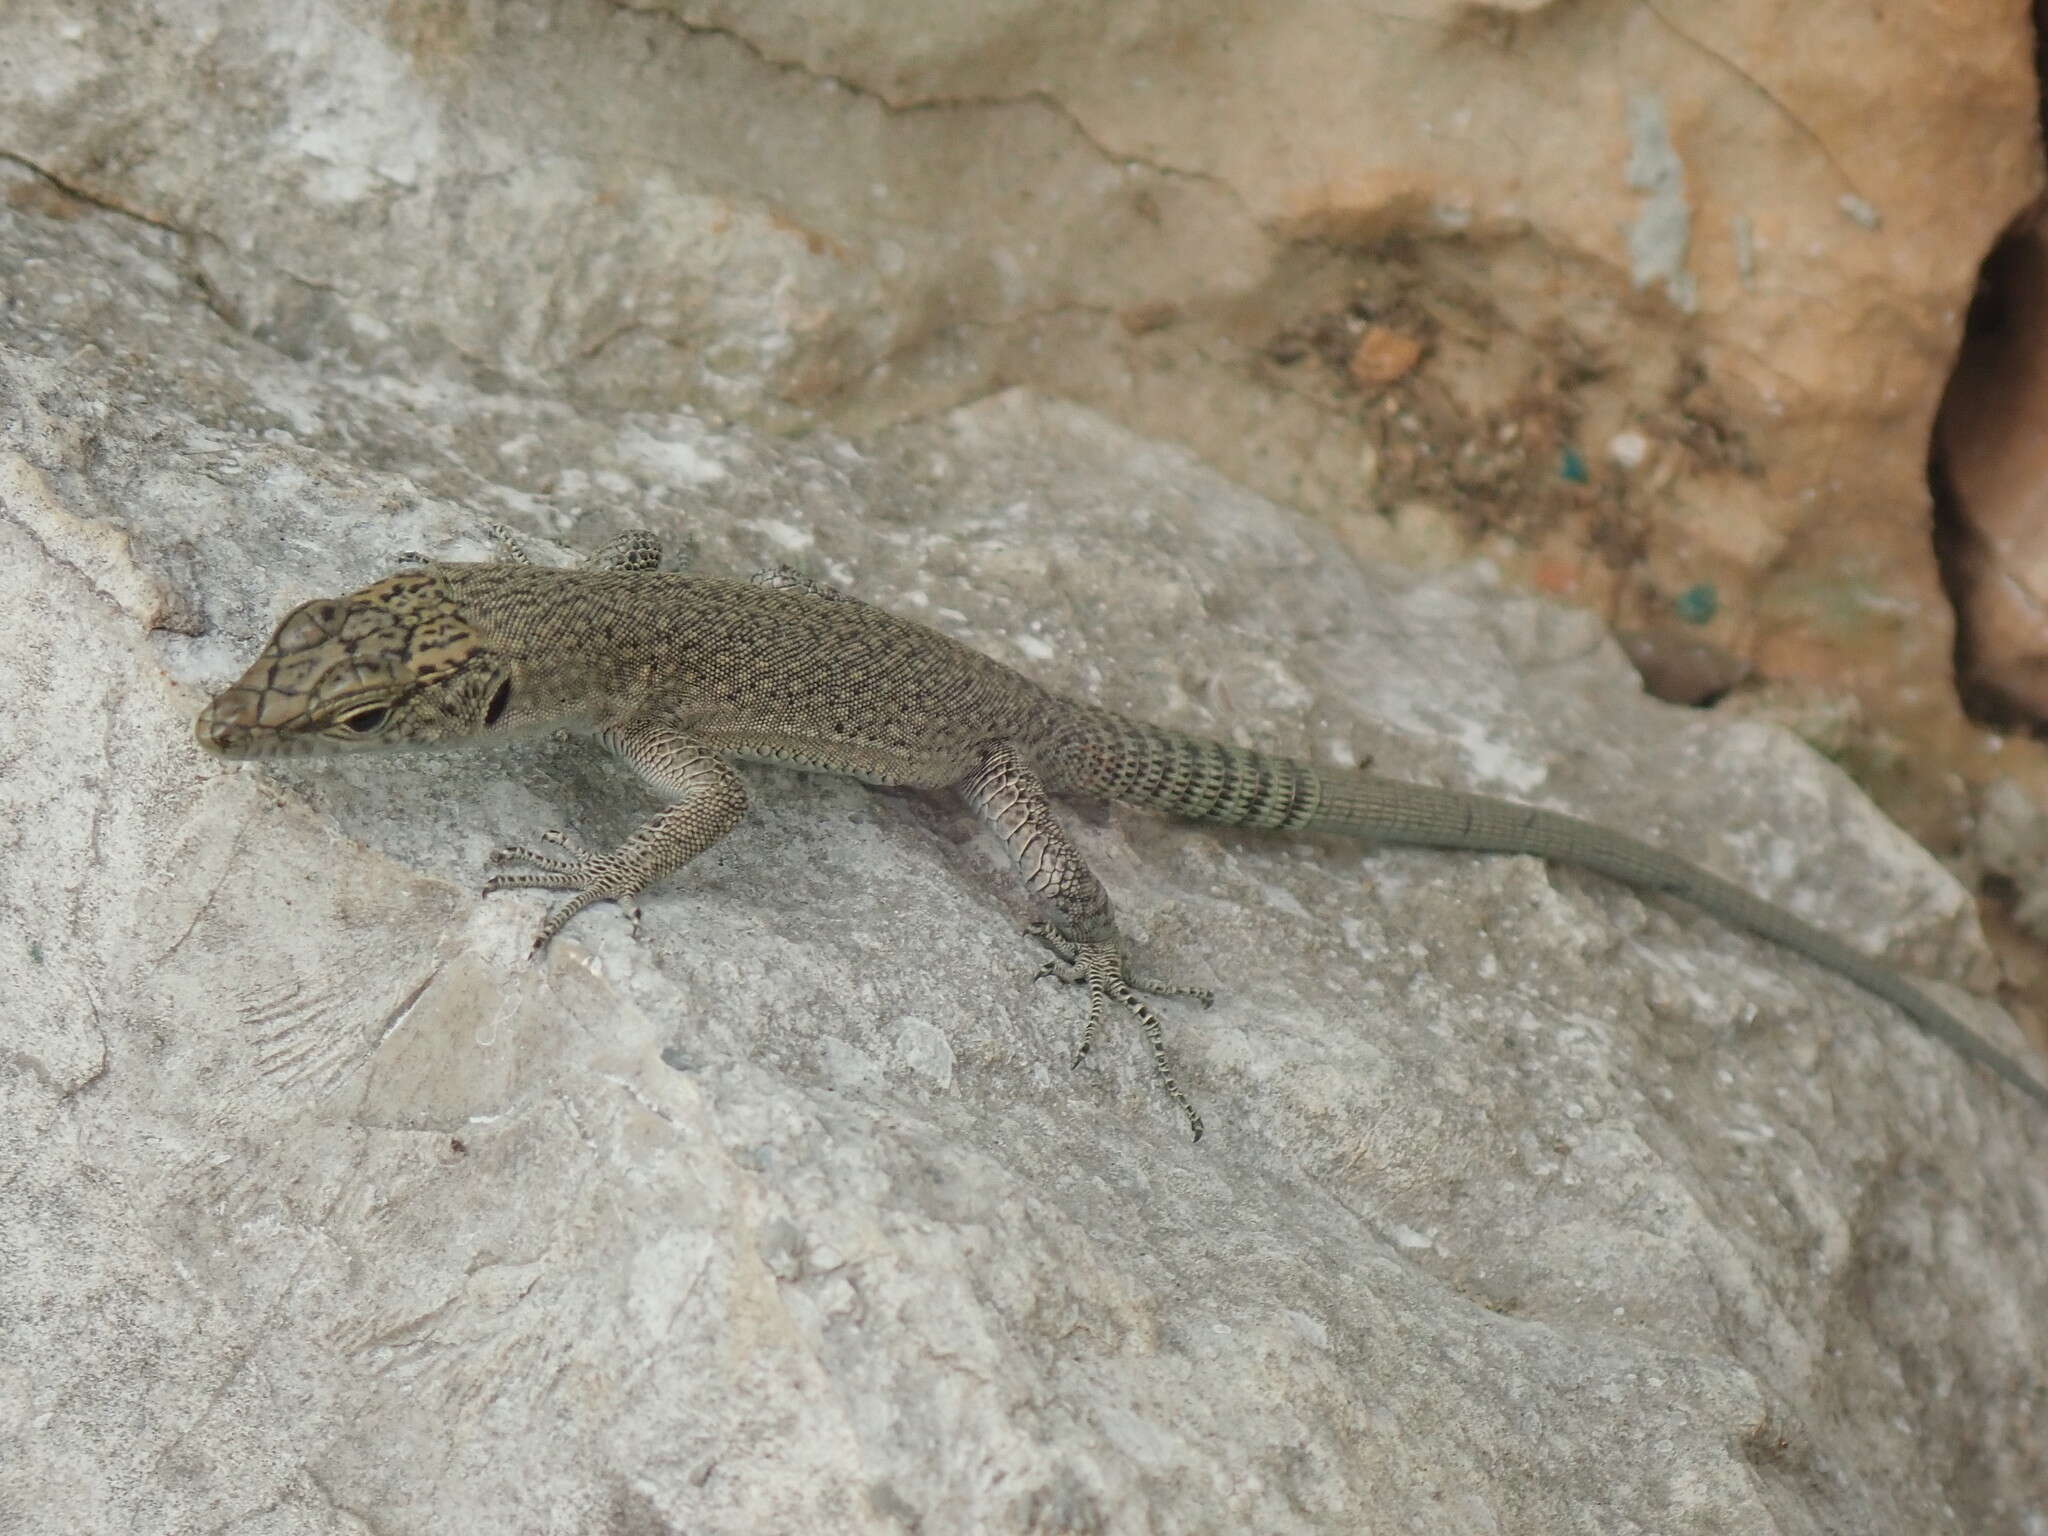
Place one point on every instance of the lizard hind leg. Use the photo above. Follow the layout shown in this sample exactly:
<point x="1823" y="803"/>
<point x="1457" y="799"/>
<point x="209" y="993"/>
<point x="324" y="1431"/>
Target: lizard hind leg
<point x="1087" y="949"/>
<point x="634" y="550"/>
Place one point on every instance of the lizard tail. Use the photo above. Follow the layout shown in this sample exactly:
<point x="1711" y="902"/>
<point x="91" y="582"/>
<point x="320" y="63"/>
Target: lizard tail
<point x="1207" y="781"/>
<point x="1387" y="810"/>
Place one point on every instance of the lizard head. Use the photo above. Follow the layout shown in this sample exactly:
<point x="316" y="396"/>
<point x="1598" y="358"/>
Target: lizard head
<point x="394" y="665"/>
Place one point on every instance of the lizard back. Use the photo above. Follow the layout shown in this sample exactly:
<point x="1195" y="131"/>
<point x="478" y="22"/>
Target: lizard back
<point x="754" y="671"/>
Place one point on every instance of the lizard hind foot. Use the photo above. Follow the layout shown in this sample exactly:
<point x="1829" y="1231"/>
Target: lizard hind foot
<point x="1065" y="966"/>
<point x="1103" y="969"/>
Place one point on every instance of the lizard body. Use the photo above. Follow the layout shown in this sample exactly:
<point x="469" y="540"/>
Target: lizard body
<point x="678" y="674"/>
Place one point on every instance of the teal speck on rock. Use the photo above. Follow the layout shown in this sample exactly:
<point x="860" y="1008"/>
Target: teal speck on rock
<point x="1698" y="603"/>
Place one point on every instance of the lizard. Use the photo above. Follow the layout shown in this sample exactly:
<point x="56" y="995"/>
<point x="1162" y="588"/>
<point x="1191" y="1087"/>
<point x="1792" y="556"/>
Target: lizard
<point x="679" y="674"/>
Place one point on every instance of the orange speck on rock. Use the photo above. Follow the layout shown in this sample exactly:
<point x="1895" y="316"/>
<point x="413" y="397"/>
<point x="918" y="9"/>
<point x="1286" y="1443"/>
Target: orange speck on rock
<point x="1383" y="355"/>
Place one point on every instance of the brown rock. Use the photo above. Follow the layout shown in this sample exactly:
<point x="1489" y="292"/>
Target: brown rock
<point x="1680" y="668"/>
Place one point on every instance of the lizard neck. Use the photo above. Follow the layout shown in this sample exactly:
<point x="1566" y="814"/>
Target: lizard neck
<point x="586" y="649"/>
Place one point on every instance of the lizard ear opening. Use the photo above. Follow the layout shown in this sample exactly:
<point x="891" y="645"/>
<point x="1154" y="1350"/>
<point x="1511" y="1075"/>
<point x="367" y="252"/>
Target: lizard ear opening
<point x="499" y="700"/>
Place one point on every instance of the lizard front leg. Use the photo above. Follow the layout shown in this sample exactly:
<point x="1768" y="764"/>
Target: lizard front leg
<point x="634" y="550"/>
<point x="709" y="801"/>
<point x="1086" y="946"/>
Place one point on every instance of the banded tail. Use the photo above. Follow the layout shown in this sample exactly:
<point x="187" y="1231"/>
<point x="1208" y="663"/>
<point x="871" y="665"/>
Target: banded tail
<point x="1192" y="779"/>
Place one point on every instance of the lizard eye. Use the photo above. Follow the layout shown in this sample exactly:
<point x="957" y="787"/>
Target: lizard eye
<point x="364" y="721"/>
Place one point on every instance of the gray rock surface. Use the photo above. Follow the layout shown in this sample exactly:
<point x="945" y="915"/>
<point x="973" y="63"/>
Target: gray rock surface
<point x="1527" y="1205"/>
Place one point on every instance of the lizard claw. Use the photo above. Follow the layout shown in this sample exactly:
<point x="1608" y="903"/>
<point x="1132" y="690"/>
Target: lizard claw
<point x="1103" y="969"/>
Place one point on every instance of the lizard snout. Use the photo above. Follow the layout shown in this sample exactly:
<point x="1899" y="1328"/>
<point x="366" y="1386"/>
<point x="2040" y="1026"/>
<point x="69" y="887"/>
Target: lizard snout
<point x="223" y="727"/>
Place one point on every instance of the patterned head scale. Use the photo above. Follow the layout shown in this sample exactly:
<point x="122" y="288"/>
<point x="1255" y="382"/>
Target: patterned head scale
<point x="391" y="665"/>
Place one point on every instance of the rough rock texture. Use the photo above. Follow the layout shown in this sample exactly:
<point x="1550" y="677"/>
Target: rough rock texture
<point x="1527" y="1205"/>
<point x="1681" y="281"/>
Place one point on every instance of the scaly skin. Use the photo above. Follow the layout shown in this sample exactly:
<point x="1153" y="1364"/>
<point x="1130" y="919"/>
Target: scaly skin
<point x="678" y="674"/>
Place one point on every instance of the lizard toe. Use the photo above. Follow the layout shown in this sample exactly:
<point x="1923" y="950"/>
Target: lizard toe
<point x="572" y="873"/>
<point x="1059" y="970"/>
<point x="1104" y="969"/>
<point x="1158" y="988"/>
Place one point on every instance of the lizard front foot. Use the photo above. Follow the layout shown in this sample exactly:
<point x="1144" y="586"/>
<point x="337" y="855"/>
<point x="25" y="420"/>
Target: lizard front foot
<point x="1105" y="971"/>
<point x="593" y="877"/>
